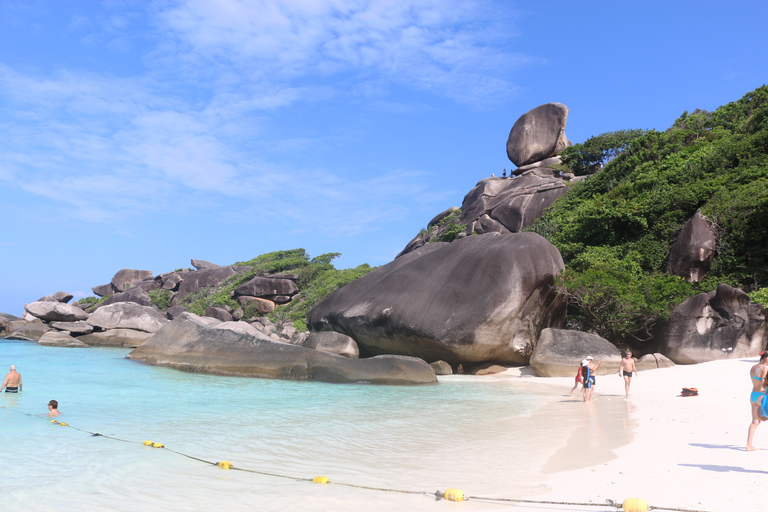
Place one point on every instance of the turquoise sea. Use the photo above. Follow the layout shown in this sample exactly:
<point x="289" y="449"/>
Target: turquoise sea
<point x="477" y="434"/>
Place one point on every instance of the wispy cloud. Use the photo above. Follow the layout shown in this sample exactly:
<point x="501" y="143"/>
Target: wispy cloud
<point x="113" y="148"/>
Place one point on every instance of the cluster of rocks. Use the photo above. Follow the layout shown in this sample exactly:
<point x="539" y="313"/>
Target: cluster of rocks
<point x="510" y="205"/>
<point x="128" y="316"/>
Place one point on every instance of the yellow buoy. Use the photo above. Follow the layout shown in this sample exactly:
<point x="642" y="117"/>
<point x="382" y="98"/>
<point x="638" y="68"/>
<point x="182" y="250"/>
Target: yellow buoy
<point x="54" y="422"/>
<point x="224" y="464"/>
<point x="148" y="443"/>
<point x="64" y="424"/>
<point x="454" y="495"/>
<point x="158" y="445"/>
<point x="321" y="480"/>
<point x="634" y="505"/>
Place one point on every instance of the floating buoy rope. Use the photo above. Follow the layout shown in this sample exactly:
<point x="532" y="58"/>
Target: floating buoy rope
<point x="452" y="494"/>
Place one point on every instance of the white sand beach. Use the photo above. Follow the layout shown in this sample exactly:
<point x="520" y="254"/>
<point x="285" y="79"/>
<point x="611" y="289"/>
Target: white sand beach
<point x="684" y="452"/>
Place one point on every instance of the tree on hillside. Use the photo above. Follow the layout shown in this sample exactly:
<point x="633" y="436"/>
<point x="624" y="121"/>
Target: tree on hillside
<point x="592" y="154"/>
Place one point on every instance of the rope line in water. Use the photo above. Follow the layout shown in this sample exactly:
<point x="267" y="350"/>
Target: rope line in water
<point x="437" y="494"/>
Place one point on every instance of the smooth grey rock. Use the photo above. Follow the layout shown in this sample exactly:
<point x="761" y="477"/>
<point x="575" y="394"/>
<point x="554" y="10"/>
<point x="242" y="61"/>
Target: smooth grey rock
<point x="55" y="311"/>
<point x="174" y="311"/>
<point x="652" y="362"/>
<point x="4" y="319"/>
<point x="128" y="278"/>
<point x="721" y="324"/>
<point x="28" y="317"/>
<point x="694" y="249"/>
<point x="172" y="281"/>
<point x="333" y="342"/>
<point x="298" y="339"/>
<point x="135" y="295"/>
<point x="477" y="299"/>
<point x="267" y="287"/>
<point x="546" y="163"/>
<point x="292" y="277"/>
<point x="195" y="344"/>
<point x="559" y="353"/>
<point x="538" y="134"/>
<point x="218" y="313"/>
<point x="204" y="265"/>
<point x="73" y="327"/>
<point x="486" y="369"/>
<point x="115" y="338"/>
<point x="103" y="290"/>
<point x="288" y="332"/>
<point x="441" y="368"/>
<point x="128" y="315"/>
<point x="47" y="298"/>
<point x="195" y="281"/>
<point x="241" y="327"/>
<point x="63" y="297"/>
<point x="24" y="330"/>
<point x="60" y="339"/>
<point x="263" y="306"/>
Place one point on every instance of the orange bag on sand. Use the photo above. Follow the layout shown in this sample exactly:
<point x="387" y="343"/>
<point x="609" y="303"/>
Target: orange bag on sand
<point x="690" y="392"/>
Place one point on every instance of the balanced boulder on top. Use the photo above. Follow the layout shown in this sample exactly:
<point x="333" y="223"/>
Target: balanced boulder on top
<point x="538" y="134"/>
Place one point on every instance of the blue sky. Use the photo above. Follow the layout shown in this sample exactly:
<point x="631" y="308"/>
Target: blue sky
<point x="141" y="134"/>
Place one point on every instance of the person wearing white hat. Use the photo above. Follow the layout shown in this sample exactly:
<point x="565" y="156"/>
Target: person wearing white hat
<point x="589" y="378"/>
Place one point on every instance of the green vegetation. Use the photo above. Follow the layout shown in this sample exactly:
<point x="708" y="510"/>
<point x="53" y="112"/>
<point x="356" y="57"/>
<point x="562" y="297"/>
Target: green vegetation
<point x="615" y="228"/>
<point x="92" y="301"/>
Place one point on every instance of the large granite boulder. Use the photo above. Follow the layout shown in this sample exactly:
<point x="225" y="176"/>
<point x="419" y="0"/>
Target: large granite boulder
<point x="25" y="330"/>
<point x="135" y="295"/>
<point x="333" y="342"/>
<point x="4" y="319"/>
<point x="198" y="344"/>
<point x="128" y="278"/>
<point x="55" y="311"/>
<point x="63" y="296"/>
<point x="60" y="339"/>
<point x="171" y="281"/>
<point x="195" y="281"/>
<point x="538" y="134"/>
<point x="103" y="290"/>
<point x="720" y="324"/>
<point x="203" y="265"/>
<point x="218" y="313"/>
<point x="128" y="315"/>
<point x="559" y="353"/>
<point x="692" y="253"/>
<point x="267" y="287"/>
<point x="479" y="298"/>
<point x="498" y="205"/>
<point x="653" y="362"/>
<point x="115" y="338"/>
<point x="75" y="328"/>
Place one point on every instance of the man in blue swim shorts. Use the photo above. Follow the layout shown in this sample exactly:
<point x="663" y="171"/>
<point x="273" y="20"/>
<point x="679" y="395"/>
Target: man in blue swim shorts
<point x="589" y="378"/>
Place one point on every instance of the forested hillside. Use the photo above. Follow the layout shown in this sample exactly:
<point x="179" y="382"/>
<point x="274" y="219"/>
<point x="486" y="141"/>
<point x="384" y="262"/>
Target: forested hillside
<point x="615" y="228"/>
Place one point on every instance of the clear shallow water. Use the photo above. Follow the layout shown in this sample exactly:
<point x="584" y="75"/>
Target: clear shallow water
<point x="478" y="435"/>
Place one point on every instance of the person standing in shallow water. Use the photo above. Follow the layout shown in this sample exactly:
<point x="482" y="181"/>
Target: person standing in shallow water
<point x="626" y="368"/>
<point x="12" y="382"/>
<point x="588" y="374"/>
<point x="757" y="375"/>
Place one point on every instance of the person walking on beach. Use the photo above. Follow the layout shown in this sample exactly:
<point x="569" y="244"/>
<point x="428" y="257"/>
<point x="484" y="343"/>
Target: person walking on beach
<point x="757" y="375"/>
<point x="579" y="377"/>
<point x="12" y="382"/>
<point x="53" y="408"/>
<point x="588" y="374"/>
<point x="627" y="367"/>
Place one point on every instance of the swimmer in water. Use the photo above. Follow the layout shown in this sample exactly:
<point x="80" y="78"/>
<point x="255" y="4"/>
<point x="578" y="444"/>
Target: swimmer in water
<point x="53" y="408"/>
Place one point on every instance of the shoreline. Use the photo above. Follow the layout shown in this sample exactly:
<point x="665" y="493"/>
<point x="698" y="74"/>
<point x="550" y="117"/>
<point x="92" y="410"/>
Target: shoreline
<point x="684" y="452"/>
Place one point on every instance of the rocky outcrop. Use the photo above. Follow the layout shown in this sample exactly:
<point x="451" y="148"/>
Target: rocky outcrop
<point x="75" y="328"/>
<point x="220" y="314"/>
<point x="480" y="298"/>
<point x="720" y="324"/>
<point x="559" y="353"/>
<point x="55" y="311"/>
<point x="128" y="278"/>
<point x="115" y="338"/>
<point x="441" y="368"/>
<point x="692" y="253"/>
<point x="25" y="330"/>
<point x="128" y="315"/>
<point x="203" y="265"/>
<point x="538" y="134"/>
<point x="63" y="297"/>
<point x="135" y="295"/>
<point x="60" y="339"/>
<point x="197" y="344"/>
<point x="4" y="319"/>
<point x="332" y="342"/>
<point x="195" y="281"/>
<point x="267" y="287"/>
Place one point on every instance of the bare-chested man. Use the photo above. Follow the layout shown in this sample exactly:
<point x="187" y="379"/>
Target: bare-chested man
<point x="12" y="382"/>
<point x="626" y="368"/>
